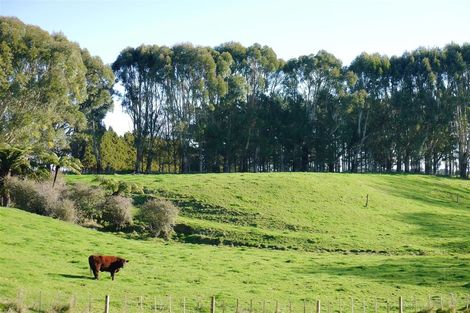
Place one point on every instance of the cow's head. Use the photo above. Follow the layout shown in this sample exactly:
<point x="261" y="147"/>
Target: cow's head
<point x="120" y="263"/>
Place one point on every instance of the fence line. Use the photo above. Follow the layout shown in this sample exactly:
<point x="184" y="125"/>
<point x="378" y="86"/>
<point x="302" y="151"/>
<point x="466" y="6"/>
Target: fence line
<point x="54" y="302"/>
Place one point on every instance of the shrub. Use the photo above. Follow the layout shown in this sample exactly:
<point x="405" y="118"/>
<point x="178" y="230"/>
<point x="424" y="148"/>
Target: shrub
<point x="41" y="198"/>
<point x="64" y="209"/>
<point x="119" y="187"/>
<point x="117" y="212"/>
<point x="88" y="201"/>
<point x="159" y="217"/>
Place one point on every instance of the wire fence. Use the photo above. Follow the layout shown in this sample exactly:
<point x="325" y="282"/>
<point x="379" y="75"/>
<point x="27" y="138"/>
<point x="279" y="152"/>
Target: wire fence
<point x="61" y="302"/>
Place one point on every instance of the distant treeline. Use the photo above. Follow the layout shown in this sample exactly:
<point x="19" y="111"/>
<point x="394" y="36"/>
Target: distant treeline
<point x="235" y="109"/>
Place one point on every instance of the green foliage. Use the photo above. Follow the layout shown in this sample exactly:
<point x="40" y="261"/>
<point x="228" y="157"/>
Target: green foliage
<point x="119" y="187"/>
<point x="117" y="153"/>
<point x="159" y="217"/>
<point x="117" y="212"/>
<point x="43" y="79"/>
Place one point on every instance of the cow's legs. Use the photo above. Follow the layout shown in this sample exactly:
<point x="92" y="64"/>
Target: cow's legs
<point x="96" y="272"/>
<point x="112" y="275"/>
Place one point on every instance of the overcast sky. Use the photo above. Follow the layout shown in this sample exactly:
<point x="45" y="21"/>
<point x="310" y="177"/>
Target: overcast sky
<point x="291" y="27"/>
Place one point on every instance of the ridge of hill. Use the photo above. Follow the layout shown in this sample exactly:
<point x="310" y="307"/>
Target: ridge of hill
<point x="318" y="212"/>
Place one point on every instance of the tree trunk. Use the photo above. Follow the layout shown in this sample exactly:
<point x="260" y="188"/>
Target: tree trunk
<point x="5" y="195"/>
<point x="57" y="168"/>
<point x="304" y="160"/>
<point x="463" y="164"/>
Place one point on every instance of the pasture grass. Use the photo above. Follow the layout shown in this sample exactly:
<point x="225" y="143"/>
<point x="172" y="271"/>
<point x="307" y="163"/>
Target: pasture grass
<point x="43" y="254"/>
<point x="405" y="214"/>
<point x="285" y="237"/>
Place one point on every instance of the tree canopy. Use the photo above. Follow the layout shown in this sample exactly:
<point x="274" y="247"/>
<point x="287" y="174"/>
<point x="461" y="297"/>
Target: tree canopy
<point x="233" y="108"/>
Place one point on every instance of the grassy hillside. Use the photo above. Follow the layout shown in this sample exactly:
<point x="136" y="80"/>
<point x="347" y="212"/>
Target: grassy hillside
<point x="41" y="254"/>
<point x="405" y="215"/>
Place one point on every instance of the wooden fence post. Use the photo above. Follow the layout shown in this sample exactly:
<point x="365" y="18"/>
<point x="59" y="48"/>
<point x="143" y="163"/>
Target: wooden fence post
<point x="251" y="306"/>
<point x="318" y="306"/>
<point x="184" y="305"/>
<point x="400" y="304"/>
<point x="277" y="306"/>
<point x="40" y="301"/>
<point x="305" y="306"/>
<point x="352" y="305"/>
<point x="238" y="306"/>
<point x="213" y="305"/>
<point x="106" y="304"/>
<point x="141" y="304"/>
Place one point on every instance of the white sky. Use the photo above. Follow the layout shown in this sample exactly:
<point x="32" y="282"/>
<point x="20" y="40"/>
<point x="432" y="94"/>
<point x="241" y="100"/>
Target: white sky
<point x="291" y="27"/>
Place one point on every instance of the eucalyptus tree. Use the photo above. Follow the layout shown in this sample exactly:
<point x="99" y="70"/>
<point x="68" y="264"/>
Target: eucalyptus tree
<point x="99" y="101"/>
<point x="42" y="80"/>
<point x="143" y="73"/>
<point x="317" y="81"/>
<point x="371" y="93"/>
<point x="457" y="63"/>
<point x="193" y="80"/>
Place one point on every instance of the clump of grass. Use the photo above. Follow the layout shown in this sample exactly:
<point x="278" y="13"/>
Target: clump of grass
<point x="60" y="308"/>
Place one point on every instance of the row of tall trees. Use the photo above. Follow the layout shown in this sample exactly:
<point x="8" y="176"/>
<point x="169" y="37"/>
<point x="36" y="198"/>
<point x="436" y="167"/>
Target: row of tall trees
<point x="230" y="108"/>
<point x="236" y="108"/>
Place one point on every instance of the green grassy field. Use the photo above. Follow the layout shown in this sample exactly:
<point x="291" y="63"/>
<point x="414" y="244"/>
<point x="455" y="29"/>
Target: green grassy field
<point x="285" y="237"/>
<point x="320" y="212"/>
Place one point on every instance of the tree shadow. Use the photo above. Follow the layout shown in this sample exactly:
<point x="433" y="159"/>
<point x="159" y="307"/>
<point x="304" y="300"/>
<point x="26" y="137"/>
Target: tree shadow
<point x="450" y="231"/>
<point x="416" y="271"/>
<point x="430" y="191"/>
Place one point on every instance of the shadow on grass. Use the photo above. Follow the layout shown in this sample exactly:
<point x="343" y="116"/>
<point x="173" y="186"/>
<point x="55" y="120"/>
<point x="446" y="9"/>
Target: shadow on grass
<point x="76" y="276"/>
<point x="430" y="191"/>
<point x="415" y="271"/>
<point x="450" y="230"/>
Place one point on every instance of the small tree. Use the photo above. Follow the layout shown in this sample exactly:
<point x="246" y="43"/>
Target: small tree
<point x="117" y="212"/>
<point x="159" y="217"/>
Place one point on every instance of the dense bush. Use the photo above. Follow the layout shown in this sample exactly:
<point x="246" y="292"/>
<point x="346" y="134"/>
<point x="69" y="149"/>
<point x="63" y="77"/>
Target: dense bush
<point x="88" y="201"/>
<point x="117" y="212"/>
<point x="64" y="210"/>
<point x="41" y="198"/>
<point x="159" y="217"/>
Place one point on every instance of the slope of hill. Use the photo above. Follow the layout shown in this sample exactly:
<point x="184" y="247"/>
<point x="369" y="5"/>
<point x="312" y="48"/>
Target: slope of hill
<point x="405" y="214"/>
<point x="40" y="254"/>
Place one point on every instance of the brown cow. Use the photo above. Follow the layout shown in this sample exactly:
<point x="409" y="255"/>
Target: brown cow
<point x="105" y="263"/>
